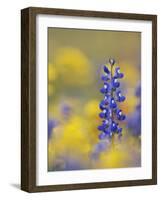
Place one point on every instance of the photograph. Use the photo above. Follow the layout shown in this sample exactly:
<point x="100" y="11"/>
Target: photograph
<point x="94" y="99"/>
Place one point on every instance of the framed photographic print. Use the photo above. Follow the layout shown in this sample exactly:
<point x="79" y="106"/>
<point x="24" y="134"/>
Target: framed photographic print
<point x="88" y="99"/>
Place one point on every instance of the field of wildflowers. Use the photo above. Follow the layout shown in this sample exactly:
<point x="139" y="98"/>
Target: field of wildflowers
<point x="94" y="99"/>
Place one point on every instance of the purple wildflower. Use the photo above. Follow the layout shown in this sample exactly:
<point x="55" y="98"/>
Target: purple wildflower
<point x="52" y="123"/>
<point x="66" y="110"/>
<point x="134" y="120"/>
<point x="110" y="113"/>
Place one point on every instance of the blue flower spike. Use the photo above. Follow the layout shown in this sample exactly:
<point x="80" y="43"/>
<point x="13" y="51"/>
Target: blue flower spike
<point x="110" y="114"/>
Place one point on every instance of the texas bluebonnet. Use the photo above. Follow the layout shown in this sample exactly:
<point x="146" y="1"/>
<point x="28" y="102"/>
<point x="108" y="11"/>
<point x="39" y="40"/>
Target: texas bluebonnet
<point x="134" y="120"/>
<point x="110" y="113"/>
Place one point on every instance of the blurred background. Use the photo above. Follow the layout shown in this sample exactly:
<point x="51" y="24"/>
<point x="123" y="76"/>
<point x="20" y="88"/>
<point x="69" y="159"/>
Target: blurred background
<point x="75" y="60"/>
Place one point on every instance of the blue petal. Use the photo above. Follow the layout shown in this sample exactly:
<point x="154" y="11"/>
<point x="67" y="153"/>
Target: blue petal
<point x="102" y="105"/>
<point x="115" y="83"/>
<point x="106" y="122"/>
<point x="121" y="75"/>
<point x="113" y="103"/>
<point x="123" y="117"/>
<point x="103" y="90"/>
<point x="102" y="136"/>
<point x="118" y="93"/>
<point x="101" y="127"/>
<point x="114" y="127"/>
<point x="120" y="98"/>
<point x="106" y="70"/>
<point x="102" y="115"/>
<point x="119" y="130"/>
<point x="123" y="98"/>
<point x="105" y="78"/>
<point x="118" y="74"/>
<point x="107" y="131"/>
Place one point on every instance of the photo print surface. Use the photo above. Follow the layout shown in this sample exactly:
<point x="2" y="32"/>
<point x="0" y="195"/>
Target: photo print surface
<point x="94" y="99"/>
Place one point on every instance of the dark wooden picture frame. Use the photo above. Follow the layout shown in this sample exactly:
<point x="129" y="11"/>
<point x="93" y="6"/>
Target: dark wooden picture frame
<point x="28" y="98"/>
